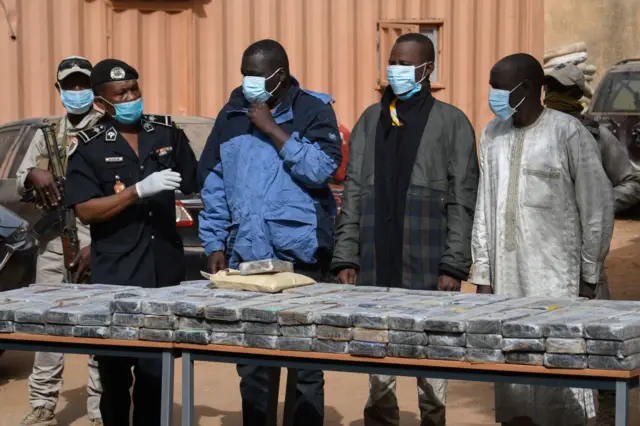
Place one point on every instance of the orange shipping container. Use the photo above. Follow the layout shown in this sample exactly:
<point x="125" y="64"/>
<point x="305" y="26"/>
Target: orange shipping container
<point x="188" y="51"/>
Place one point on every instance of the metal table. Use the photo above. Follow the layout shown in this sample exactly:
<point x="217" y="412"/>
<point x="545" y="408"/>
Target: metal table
<point x="103" y="347"/>
<point x="620" y="381"/>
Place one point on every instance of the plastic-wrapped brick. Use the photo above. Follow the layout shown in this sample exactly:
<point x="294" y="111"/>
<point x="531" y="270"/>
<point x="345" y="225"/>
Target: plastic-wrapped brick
<point x="371" y="315"/>
<point x="405" y="351"/>
<point x="196" y="337"/>
<point x="124" y="333"/>
<point x="298" y="330"/>
<point x="336" y="317"/>
<point x="70" y="315"/>
<point x="613" y="348"/>
<point x="29" y="328"/>
<point x="127" y="320"/>
<point x="601" y="362"/>
<point x="551" y="303"/>
<point x="156" y="335"/>
<point x="258" y="341"/>
<point x="485" y="355"/>
<point x="484" y="341"/>
<point x="449" y="353"/>
<point x="301" y="314"/>
<point x="330" y="346"/>
<point x="492" y="323"/>
<point x="227" y="326"/>
<point x="91" y="331"/>
<point x="407" y="319"/>
<point x="6" y="327"/>
<point x="160" y="322"/>
<point x="454" y="319"/>
<point x="58" y="330"/>
<point x="371" y="335"/>
<point x="524" y="358"/>
<point x="157" y="306"/>
<point x="328" y="332"/>
<point x="574" y="326"/>
<point x="7" y="310"/>
<point x="448" y="339"/>
<point x="33" y="313"/>
<point x="565" y="361"/>
<point x="411" y="338"/>
<point x="368" y="349"/>
<point x="522" y="345"/>
<point x="193" y="307"/>
<point x="557" y="345"/>
<point x="317" y="289"/>
<point x="264" y="328"/>
<point x="620" y="328"/>
<point x="229" y="311"/>
<point x="229" y="339"/>
<point x="533" y="327"/>
<point x="295" y="343"/>
<point x="265" y="312"/>
<point x="189" y="323"/>
<point x="265" y="266"/>
<point x="128" y="305"/>
<point x="100" y="316"/>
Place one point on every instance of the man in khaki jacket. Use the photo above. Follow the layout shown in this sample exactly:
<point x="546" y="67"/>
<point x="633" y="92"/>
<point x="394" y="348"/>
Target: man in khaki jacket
<point x="35" y="181"/>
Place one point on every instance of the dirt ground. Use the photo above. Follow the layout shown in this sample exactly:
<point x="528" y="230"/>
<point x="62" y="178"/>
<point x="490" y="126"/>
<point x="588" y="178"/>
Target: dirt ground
<point x="217" y="396"/>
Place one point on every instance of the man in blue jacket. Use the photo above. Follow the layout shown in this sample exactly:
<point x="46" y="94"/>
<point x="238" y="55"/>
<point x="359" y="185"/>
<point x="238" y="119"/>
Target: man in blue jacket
<point x="264" y="174"/>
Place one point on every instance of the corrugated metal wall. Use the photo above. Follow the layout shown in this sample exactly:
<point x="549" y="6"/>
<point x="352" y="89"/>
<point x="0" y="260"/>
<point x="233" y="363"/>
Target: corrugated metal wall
<point x="188" y="51"/>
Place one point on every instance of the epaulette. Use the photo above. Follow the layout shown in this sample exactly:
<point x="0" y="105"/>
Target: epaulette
<point x="92" y="133"/>
<point x="165" y="120"/>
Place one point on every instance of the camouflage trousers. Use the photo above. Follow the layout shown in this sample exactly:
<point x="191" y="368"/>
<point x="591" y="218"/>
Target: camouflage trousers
<point x="45" y="381"/>
<point x="382" y="406"/>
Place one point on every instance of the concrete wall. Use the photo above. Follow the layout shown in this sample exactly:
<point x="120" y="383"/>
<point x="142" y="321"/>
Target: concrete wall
<point x="609" y="27"/>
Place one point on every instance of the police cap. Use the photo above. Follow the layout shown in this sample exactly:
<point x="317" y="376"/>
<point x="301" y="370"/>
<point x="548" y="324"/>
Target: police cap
<point x="110" y="70"/>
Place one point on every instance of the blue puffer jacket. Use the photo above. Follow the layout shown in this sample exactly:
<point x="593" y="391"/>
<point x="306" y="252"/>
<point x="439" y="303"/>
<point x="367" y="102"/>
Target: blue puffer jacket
<point x="271" y="204"/>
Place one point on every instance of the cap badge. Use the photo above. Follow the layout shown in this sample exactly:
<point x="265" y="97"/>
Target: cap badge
<point x="117" y="73"/>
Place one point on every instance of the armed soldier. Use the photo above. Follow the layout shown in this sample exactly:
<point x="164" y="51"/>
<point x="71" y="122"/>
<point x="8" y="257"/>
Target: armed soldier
<point x="37" y="183"/>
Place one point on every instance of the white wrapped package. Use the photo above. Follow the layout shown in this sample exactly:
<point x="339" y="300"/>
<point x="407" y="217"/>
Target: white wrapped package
<point x="269" y="283"/>
<point x="266" y="266"/>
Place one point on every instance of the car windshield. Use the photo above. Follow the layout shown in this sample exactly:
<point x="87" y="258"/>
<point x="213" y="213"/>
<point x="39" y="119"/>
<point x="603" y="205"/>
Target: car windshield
<point x="618" y="93"/>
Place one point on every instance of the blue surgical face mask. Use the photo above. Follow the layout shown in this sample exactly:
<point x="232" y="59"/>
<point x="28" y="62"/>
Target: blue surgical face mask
<point x="128" y="112"/>
<point x="77" y="101"/>
<point x="402" y="79"/>
<point x="499" y="103"/>
<point x="254" y="88"/>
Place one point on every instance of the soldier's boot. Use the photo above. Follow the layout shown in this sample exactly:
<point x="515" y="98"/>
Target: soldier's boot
<point x="40" y="416"/>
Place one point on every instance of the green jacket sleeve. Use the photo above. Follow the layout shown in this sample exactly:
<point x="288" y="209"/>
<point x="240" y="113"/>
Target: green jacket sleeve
<point x="462" y="174"/>
<point x="346" y="252"/>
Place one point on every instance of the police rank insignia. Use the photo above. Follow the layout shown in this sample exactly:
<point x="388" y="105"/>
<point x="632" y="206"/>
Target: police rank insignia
<point x="117" y="73"/>
<point x="111" y="135"/>
<point x="161" y="152"/>
<point x="72" y="145"/>
<point x="147" y="127"/>
<point x="119" y="186"/>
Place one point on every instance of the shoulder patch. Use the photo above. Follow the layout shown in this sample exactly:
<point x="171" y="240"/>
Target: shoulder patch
<point x="92" y="133"/>
<point x="164" y="120"/>
<point x="327" y="99"/>
<point x="112" y="135"/>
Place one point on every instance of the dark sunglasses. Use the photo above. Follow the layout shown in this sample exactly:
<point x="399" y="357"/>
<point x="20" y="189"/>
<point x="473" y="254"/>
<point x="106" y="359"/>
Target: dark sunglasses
<point x="71" y="62"/>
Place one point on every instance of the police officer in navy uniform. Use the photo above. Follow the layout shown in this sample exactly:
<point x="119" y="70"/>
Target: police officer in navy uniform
<point x="121" y="180"/>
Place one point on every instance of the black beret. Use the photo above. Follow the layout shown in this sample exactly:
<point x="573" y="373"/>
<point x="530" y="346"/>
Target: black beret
<point x="109" y="70"/>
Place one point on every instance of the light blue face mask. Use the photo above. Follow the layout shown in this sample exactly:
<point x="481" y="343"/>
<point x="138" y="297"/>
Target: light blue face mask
<point x="402" y="79"/>
<point x="499" y="103"/>
<point x="128" y="112"/>
<point x="254" y="88"/>
<point x="76" y="101"/>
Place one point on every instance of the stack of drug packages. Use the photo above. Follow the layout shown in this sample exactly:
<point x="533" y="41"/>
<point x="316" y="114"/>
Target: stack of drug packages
<point x="332" y="318"/>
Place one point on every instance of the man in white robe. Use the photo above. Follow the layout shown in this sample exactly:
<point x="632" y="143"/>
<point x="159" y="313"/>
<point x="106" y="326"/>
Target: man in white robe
<point x="543" y="223"/>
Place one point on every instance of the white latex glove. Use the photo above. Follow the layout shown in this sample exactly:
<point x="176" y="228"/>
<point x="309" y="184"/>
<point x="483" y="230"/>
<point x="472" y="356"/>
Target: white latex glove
<point x="165" y="180"/>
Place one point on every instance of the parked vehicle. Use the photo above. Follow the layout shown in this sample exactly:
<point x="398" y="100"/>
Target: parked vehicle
<point x="14" y="141"/>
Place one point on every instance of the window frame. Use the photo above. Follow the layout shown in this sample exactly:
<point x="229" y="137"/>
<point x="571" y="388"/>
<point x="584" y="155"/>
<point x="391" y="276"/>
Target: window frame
<point x="385" y="31"/>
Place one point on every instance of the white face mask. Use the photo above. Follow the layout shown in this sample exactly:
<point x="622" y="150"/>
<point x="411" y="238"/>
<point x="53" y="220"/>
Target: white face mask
<point x="254" y="88"/>
<point x="402" y="79"/>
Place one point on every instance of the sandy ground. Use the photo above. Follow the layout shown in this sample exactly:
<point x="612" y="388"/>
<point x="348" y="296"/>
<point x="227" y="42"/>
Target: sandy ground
<point x="217" y="396"/>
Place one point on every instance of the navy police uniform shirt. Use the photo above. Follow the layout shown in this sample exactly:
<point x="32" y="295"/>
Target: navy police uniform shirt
<point x="140" y="246"/>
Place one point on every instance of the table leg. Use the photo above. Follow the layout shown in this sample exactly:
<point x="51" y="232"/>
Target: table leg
<point x="187" y="389"/>
<point x="274" y="389"/>
<point x="622" y="403"/>
<point x="167" y="388"/>
<point x="290" y="396"/>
